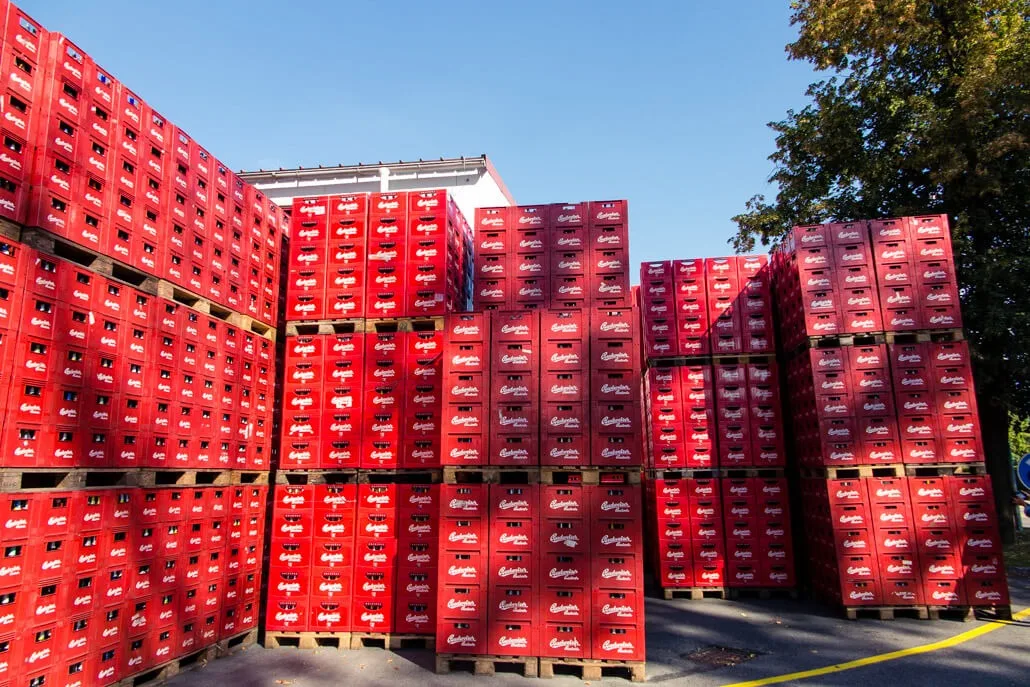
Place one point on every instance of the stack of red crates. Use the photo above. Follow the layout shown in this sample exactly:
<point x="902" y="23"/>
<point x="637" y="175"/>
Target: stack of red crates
<point x="905" y="541"/>
<point x="920" y="532"/>
<point x="91" y="162"/>
<point x="707" y="306"/>
<point x="418" y="531"/>
<point x="562" y="256"/>
<point x="716" y="495"/>
<point x="343" y="414"/>
<point x="863" y="277"/>
<point x="107" y="583"/>
<point x="466" y="389"/>
<point x="514" y="409"/>
<point x="689" y="542"/>
<point x="617" y="565"/>
<point x="512" y="598"/>
<point x="461" y="610"/>
<point x="377" y="255"/>
<point x="101" y="373"/>
<point x="565" y="575"/>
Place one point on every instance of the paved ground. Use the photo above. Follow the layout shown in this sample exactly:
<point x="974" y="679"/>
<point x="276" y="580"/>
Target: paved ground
<point x="787" y="636"/>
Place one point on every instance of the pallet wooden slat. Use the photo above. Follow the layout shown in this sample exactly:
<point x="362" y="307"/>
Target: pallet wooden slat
<point x="587" y="669"/>
<point x="486" y="665"/>
<point x="762" y="593"/>
<point x="693" y="593"/>
<point x="56" y="479"/>
<point x="361" y="325"/>
<point x="886" y="612"/>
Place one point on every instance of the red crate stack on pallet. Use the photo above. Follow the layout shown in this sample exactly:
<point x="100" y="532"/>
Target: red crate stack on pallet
<point x="515" y="358"/>
<point x="370" y="277"/>
<point x="513" y="593"/>
<point x="896" y="505"/>
<point x="565" y="576"/>
<point x="707" y="306"/>
<point x="617" y="555"/>
<point x="403" y="254"/>
<point x="461" y="610"/>
<point x="113" y="582"/>
<point x="466" y="389"/>
<point x="561" y="256"/>
<point x="119" y="359"/>
<point x="542" y="395"/>
<point x="717" y="506"/>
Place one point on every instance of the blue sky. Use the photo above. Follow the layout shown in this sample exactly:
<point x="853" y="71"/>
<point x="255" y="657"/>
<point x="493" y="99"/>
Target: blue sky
<point x="661" y="102"/>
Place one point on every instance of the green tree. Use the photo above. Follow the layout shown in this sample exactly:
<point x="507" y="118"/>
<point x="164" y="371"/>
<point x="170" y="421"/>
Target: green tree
<point x="1019" y="437"/>
<point x="924" y="109"/>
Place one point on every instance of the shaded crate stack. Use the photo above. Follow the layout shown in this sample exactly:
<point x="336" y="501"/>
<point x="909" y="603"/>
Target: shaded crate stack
<point x="707" y="306"/>
<point x="560" y="579"/>
<point x="888" y="418"/>
<point x="514" y="410"/>
<point x="466" y="390"/>
<point x="518" y="384"/>
<point x="112" y="583"/>
<point x="905" y="541"/>
<point x="717" y="506"/>
<point x="91" y="163"/>
<point x="895" y="275"/>
<point x="405" y="254"/>
<point x="562" y="256"/>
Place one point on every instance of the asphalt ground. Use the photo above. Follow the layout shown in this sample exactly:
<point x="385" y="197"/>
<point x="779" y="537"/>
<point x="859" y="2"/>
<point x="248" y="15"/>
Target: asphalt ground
<point x="769" y="638"/>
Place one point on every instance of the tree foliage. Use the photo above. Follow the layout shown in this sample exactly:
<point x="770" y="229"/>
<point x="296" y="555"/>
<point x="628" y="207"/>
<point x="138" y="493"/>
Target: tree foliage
<point x="924" y="109"/>
<point x="1019" y="437"/>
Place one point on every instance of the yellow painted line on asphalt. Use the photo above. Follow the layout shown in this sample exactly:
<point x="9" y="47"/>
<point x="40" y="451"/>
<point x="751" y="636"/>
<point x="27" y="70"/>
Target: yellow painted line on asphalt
<point x="880" y="658"/>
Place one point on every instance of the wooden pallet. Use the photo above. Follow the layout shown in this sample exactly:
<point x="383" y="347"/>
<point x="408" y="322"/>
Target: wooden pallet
<point x="185" y="478"/>
<point x="886" y="612"/>
<point x="255" y="477"/>
<point x="43" y="240"/>
<point x="485" y="665"/>
<point x="361" y="325"/>
<point x="34" y="479"/>
<point x="589" y="476"/>
<point x="390" y="641"/>
<point x="399" y="476"/>
<point x="587" y="669"/>
<point x="763" y="593"/>
<point x="963" y="613"/>
<point x="693" y="593"/>
<point x="307" y="640"/>
<point x="683" y="474"/>
<point x="843" y="340"/>
<point x="159" y="675"/>
<point x="763" y="473"/>
<point x="490" y="475"/>
<point x="947" y="469"/>
<point x="679" y="361"/>
<point x="853" y="471"/>
<point x="925" y="335"/>
<point x="993" y="612"/>
<point x="202" y="304"/>
<point x="316" y="477"/>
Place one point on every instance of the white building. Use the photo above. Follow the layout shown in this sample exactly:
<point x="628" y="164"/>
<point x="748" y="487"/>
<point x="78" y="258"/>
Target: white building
<point x="473" y="181"/>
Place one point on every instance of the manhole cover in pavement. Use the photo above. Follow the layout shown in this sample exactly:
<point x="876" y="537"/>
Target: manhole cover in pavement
<point x="720" y="656"/>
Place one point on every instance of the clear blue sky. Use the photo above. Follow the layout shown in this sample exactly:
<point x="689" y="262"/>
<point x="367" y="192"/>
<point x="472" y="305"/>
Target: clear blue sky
<point x="661" y="102"/>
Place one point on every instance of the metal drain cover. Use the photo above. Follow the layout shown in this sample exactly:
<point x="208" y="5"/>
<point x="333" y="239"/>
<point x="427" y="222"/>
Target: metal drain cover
<point x="720" y="656"/>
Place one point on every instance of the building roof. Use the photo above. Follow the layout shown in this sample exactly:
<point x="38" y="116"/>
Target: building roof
<point x="371" y="170"/>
